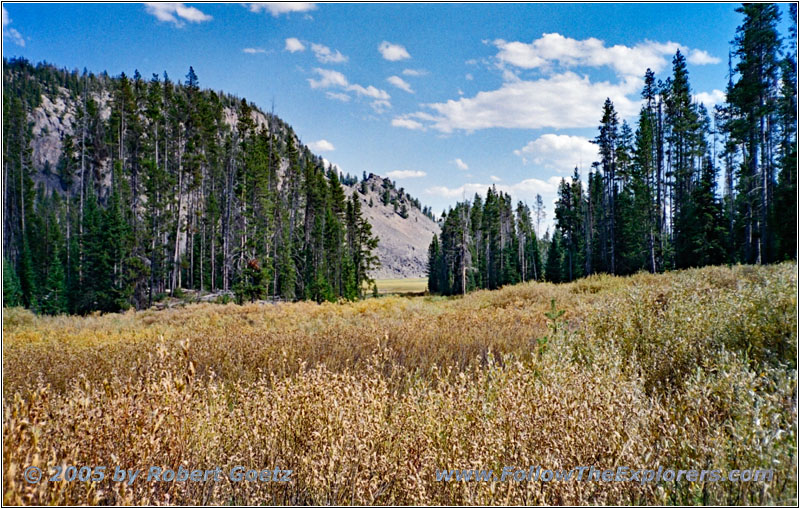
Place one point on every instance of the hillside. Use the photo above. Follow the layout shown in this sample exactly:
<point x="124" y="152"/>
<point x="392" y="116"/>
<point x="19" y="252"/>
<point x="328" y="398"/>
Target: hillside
<point x="403" y="241"/>
<point x="182" y="188"/>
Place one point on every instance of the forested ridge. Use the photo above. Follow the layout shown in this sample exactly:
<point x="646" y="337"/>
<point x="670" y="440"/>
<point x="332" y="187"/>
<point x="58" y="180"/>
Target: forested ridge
<point x="161" y="186"/>
<point x="651" y="202"/>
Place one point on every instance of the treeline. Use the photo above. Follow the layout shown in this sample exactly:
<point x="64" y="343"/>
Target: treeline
<point x="485" y="244"/>
<point x="162" y="186"/>
<point x="651" y="201"/>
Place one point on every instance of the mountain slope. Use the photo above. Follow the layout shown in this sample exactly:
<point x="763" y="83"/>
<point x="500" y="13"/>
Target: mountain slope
<point x="159" y="185"/>
<point x="403" y="242"/>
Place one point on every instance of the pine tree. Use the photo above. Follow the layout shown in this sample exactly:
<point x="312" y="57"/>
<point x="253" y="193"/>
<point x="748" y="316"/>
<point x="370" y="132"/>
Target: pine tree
<point x="754" y="98"/>
<point x="12" y="293"/>
<point x="434" y="262"/>
<point x="54" y="298"/>
<point x="555" y="256"/>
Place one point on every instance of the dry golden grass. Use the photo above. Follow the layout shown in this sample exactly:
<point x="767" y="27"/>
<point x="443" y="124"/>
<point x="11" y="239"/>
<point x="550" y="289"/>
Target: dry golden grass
<point x="403" y="285"/>
<point x="364" y="401"/>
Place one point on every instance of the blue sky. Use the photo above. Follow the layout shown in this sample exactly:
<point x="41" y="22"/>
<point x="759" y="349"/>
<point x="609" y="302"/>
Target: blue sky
<point x="445" y="98"/>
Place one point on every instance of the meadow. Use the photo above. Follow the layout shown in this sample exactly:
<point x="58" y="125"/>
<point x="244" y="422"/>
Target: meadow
<point x="416" y="285"/>
<point x="365" y="400"/>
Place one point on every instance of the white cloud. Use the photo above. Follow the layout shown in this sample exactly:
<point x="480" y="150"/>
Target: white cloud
<point x="524" y="190"/>
<point x="339" y="96"/>
<point x="333" y="166"/>
<point x="278" y="8"/>
<point x="321" y="146"/>
<point x="326" y="56"/>
<point x="710" y="99"/>
<point x="330" y="78"/>
<point x="11" y="33"/>
<point x="461" y="164"/>
<point x="552" y="49"/>
<point x="176" y="13"/>
<point x="560" y="101"/>
<point x="253" y="51"/>
<point x="405" y="174"/>
<point x="701" y="57"/>
<point x="414" y="72"/>
<point x="464" y="191"/>
<point x="369" y="91"/>
<point x="495" y="178"/>
<point x="400" y="83"/>
<point x="381" y="105"/>
<point x="393" y="52"/>
<point x="559" y="152"/>
<point x="469" y="77"/>
<point x="293" y="45"/>
<point x="558" y="97"/>
<point x="407" y="123"/>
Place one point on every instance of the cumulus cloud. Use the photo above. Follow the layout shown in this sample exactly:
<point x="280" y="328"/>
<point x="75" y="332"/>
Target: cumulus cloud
<point x="369" y="91"/>
<point x="10" y="32"/>
<point x="327" y="56"/>
<point x="524" y="190"/>
<point x="278" y="8"/>
<point x="407" y="123"/>
<point x="405" y="174"/>
<point x="339" y="96"/>
<point x="329" y="78"/>
<point x="414" y="72"/>
<point x="555" y="49"/>
<point x="559" y="97"/>
<point x="293" y="45"/>
<point x="380" y="105"/>
<point x="253" y="51"/>
<point x="400" y="83"/>
<point x="393" y="52"/>
<point x="559" y="152"/>
<point x="461" y="164"/>
<point x="710" y="99"/>
<point x="701" y="57"/>
<point x="560" y="101"/>
<point x="176" y="13"/>
<point x="321" y="146"/>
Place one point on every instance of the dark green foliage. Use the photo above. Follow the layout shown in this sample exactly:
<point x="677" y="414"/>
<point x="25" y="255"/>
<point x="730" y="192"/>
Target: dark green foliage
<point x="553" y="270"/>
<point x="483" y="244"/>
<point x="12" y="293"/>
<point x="54" y="294"/>
<point x="252" y="284"/>
<point x="165" y="195"/>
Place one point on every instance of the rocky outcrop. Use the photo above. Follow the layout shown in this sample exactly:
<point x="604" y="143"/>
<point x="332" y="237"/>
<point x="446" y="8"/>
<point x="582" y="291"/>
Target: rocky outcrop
<point x="402" y="242"/>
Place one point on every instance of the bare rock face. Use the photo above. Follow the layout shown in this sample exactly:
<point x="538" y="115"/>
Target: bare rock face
<point x="402" y="242"/>
<point x="52" y="120"/>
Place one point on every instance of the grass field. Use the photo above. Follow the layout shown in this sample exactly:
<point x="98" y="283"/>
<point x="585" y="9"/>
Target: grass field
<point x="401" y="286"/>
<point x="364" y="401"/>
